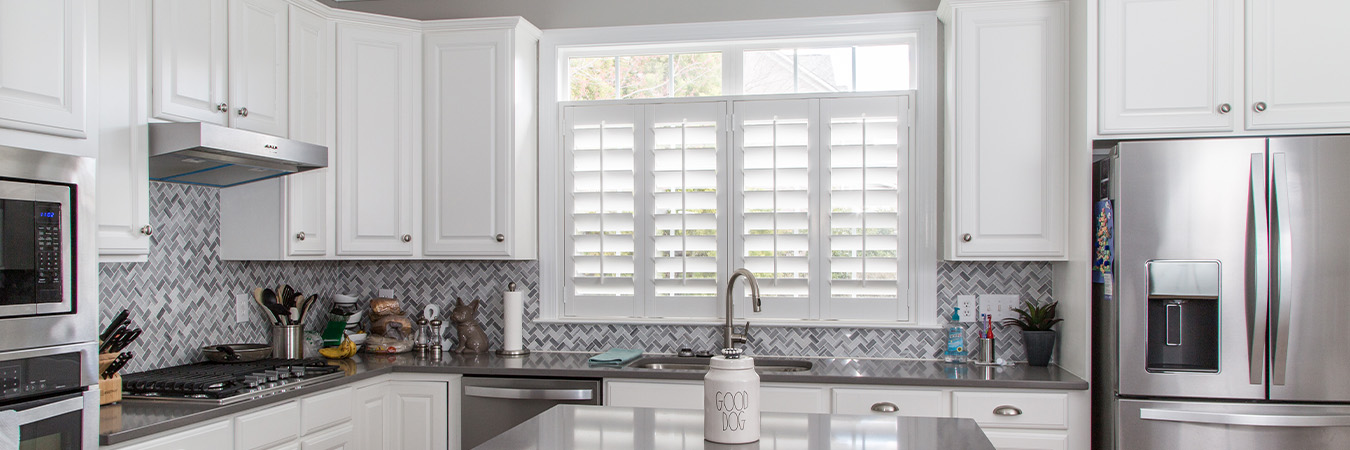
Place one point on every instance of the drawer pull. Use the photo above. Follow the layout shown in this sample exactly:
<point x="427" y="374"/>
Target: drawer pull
<point x="1007" y="410"/>
<point x="884" y="407"/>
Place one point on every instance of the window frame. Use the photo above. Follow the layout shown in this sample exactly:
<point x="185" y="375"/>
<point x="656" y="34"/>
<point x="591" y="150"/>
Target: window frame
<point x="557" y="45"/>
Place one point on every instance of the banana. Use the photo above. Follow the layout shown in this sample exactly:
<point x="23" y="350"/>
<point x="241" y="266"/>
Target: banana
<point x="343" y="351"/>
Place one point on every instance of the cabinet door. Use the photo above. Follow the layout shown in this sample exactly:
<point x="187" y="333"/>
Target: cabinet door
<point x="42" y="73"/>
<point x="1297" y="64"/>
<point x="124" y="83"/>
<point x="370" y="418"/>
<point x="1168" y="66"/>
<point x="379" y="137"/>
<point x="211" y="436"/>
<point x="189" y="46"/>
<point x="906" y="402"/>
<point x="258" y="69"/>
<point x="270" y="427"/>
<point x="467" y="144"/>
<point x="340" y="438"/>
<point x="418" y="413"/>
<point x="1007" y="168"/>
<point x="310" y="195"/>
<point x="1022" y="440"/>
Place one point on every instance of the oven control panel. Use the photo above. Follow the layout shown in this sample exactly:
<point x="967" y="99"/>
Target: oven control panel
<point x="40" y="375"/>
<point x="48" y="225"/>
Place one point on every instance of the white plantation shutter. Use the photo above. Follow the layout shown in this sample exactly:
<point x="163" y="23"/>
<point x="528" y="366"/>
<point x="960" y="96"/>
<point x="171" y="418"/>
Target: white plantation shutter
<point x="776" y="145"/>
<point x="867" y="150"/>
<point x="601" y="180"/>
<point x="686" y="146"/>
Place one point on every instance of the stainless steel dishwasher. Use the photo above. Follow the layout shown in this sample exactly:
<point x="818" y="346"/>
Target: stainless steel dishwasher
<point x="490" y="406"/>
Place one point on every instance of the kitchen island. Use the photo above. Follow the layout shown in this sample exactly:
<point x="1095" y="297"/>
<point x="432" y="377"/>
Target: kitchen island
<point x="568" y="427"/>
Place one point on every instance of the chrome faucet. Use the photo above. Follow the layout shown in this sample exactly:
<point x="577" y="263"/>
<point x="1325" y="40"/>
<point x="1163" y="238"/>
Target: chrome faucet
<point x="732" y="337"/>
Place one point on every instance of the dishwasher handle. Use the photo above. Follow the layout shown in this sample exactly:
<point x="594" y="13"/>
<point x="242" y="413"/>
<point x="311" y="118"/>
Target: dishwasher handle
<point x="529" y="394"/>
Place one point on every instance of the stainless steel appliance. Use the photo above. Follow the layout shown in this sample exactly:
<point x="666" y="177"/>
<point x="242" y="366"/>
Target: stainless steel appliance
<point x="213" y="155"/>
<point x="45" y="402"/>
<point x="490" y="406"/>
<point x="214" y="383"/>
<point x="1231" y="295"/>
<point x="34" y="249"/>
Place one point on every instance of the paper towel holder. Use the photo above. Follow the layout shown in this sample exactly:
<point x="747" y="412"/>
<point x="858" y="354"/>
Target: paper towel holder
<point x="511" y="287"/>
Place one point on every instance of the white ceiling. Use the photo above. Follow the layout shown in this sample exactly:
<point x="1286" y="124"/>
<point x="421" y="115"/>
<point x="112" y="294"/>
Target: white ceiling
<point x="548" y="14"/>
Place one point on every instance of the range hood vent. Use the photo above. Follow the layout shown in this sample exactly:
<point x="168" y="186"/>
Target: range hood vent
<point x="211" y="155"/>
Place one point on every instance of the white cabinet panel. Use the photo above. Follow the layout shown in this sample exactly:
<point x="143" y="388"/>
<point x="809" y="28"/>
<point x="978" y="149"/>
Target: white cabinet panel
<point x="369" y="416"/>
<point x="42" y="73"/>
<point x="190" y="73"/>
<point x="479" y="138"/>
<point x="1006" y="161"/>
<point x="417" y="414"/>
<point x="311" y="196"/>
<point x="1023" y="440"/>
<point x="326" y="409"/>
<point x="379" y="138"/>
<point x="1013" y="409"/>
<point x="124" y="81"/>
<point x="775" y="397"/>
<point x="340" y="438"/>
<point x="1298" y="64"/>
<point x="907" y="402"/>
<point x="257" y="65"/>
<point x="267" y="428"/>
<point x="211" y="436"/>
<point x="1169" y="66"/>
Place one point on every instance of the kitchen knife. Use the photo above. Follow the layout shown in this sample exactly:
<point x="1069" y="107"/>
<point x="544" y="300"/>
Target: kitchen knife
<point x="114" y="325"/>
<point x="117" y="365"/>
<point x="126" y="340"/>
<point x="117" y="336"/>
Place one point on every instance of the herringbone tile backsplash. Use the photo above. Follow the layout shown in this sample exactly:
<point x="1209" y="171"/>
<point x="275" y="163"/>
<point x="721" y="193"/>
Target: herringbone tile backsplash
<point x="183" y="297"/>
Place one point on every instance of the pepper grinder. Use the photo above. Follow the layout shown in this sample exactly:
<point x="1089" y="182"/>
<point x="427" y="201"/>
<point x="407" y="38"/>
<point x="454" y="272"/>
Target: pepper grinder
<point x="436" y="348"/>
<point x="420" y="342"/>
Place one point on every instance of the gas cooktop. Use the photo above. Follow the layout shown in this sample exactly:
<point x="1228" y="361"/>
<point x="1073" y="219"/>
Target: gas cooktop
<point x="225" y="383"/>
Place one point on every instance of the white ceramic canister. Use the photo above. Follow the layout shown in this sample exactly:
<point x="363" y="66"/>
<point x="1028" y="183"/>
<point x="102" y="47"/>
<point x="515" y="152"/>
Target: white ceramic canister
<point x="731" y="399"/>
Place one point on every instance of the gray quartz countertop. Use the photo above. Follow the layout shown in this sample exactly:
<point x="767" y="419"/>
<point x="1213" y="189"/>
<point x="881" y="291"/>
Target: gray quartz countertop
<point x="132" y="419"/>
<point x="569" y="427"/>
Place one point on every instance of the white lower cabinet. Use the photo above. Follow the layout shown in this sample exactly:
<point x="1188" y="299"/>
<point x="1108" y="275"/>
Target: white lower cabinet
<point x="268" y="428"/>
<point x="212" y="436"/>
<point x="775" y="397"/>
<point x="1024" y="440"/>
<point x="417" y="415"/>
<point x="917" y="402"/>
<point x="340" y="438"/>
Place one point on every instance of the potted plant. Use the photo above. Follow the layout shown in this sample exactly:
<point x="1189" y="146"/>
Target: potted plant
<point x="1037" y="337"/>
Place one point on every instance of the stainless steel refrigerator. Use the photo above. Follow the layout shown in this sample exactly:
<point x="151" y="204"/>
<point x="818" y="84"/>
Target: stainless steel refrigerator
<point x="1229" y="314"/>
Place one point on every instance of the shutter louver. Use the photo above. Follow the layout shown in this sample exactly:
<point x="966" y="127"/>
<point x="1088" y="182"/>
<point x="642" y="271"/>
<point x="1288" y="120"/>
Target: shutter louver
<point x="775" y="201"/>
<point x="684" y="207"/>
<point x="603" y="204"/>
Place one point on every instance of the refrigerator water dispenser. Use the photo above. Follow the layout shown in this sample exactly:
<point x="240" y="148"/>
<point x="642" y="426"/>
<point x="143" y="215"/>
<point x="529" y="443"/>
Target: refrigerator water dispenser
<point x="1183" y="316"/>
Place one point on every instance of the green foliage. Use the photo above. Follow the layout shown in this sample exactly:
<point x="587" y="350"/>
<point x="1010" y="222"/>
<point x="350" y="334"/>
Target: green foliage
<point x="1032" y="317"/>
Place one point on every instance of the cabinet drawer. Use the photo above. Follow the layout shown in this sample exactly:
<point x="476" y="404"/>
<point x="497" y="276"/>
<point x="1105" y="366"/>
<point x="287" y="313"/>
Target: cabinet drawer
<point x="211" y="436"/>
<point x="325" y="410"/>
<point x="1038" y="410"/>
<point x="792" y="399"/>
<point x="689" y="395"/>
<point x="1026" y="440"/>
<point x="268" y="427"/>
<point x="924" y="403"/>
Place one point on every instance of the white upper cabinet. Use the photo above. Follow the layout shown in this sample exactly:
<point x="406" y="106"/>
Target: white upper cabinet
<point x="1298" y="71"/>
<point x="310" y="196"/>
<point x="1005" y="146"/>
<point x="223" y="62"/>
<point x="258" y="69"/>
<point x="1169" y="66"/>
<point x="1176" y="67"/>
<point x="43" y="69"/>
<point x="123" y="181"/>
<point x="189" y="43"/>
<point x="379" y="112"/>
<point x="479" y="138"/>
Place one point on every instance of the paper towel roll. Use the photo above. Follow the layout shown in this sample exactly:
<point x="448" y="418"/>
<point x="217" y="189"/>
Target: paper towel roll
<point x="512" y="312"/>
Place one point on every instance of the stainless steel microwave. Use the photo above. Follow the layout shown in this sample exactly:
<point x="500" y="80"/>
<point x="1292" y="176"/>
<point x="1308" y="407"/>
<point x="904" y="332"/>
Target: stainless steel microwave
<point x="35" y="249"/>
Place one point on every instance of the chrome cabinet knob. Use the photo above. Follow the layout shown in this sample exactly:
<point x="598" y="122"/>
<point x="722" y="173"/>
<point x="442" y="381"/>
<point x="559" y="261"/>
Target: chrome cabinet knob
<point x="1225" y="108"/>
<point x="146" y="230"/>
<point x="1259" y="106"/>
<point x="223" y="107"/>
<point x="243" y="112"/>
<point x="300" y="235"/>
<point x="501" y="238"/>
<point x="966" y="237"/>
<point x="885" y="407"/>
<point x="1007" y="410"/>
<point x="407" y="238"/>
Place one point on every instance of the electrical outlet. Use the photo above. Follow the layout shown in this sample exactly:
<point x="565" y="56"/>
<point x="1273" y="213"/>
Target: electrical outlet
<point x="387" y="293"/>
<point x="241" y="307"/>
<point x="999" y="306"/>
<point x="967" y="305"/>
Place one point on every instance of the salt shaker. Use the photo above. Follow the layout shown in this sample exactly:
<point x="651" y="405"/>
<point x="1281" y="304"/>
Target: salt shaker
<point x="731" y="399"/>
<point x="436" y="339"/>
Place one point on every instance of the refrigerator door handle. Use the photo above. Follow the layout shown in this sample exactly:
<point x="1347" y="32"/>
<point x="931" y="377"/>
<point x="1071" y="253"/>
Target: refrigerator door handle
<point x="1252" y="420"/>
<point x="1258" y="273"/>
<point x="1284" y="262"/>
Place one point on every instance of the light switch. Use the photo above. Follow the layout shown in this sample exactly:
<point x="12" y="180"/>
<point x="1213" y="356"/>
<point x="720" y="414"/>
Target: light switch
<point x="968" y="307"/>
<point x="999" y="306"/>
<point x="241" y="307"/>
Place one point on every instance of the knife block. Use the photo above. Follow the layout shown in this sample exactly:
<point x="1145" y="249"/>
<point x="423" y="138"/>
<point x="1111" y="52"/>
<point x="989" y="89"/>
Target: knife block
<point x="109" y="389"/>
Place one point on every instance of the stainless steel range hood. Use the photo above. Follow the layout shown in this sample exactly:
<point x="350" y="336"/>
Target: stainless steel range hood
<point x="211" y="155"/>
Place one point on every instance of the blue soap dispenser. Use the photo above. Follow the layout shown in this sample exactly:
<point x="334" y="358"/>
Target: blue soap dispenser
<point x="956" y="340"/>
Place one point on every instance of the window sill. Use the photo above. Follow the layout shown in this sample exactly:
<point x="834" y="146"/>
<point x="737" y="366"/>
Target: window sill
<point x="740" y="321"/>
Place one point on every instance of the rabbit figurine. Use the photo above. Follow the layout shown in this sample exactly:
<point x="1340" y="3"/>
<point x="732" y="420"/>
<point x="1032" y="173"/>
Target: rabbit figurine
<point x="472" y="339"/>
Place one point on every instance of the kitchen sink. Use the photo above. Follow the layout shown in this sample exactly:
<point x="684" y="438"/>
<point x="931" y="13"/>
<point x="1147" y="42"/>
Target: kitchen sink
<point x="701" y="364"/>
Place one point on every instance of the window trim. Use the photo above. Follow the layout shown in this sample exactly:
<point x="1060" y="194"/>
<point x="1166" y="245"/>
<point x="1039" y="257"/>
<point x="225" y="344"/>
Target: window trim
<point x="923" y="200"/>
